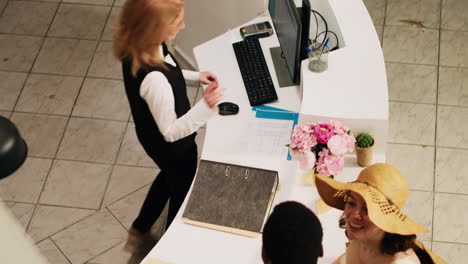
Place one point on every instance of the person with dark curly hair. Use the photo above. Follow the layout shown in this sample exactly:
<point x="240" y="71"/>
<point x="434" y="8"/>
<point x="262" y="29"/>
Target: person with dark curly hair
<point x="292" y="235"/>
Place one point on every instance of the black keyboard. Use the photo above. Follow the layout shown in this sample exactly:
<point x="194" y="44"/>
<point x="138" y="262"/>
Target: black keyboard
<point x="254" y="70"/>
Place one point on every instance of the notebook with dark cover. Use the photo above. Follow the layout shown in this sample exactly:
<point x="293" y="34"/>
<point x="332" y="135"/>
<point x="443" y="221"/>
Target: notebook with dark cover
<point x="231" y="198"/>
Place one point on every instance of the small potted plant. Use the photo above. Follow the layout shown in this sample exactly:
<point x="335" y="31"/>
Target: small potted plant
<point x="364" y="149"/>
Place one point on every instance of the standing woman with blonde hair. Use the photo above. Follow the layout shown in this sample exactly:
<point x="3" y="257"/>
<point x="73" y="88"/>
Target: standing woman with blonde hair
<point x="156" y="89"/>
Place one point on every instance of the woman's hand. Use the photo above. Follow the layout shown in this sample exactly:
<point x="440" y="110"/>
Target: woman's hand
<point x="208" y="78"/>
<point x="213" y="94"/>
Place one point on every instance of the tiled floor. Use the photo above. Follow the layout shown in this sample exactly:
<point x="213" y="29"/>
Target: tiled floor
<point x="86" y="174"/>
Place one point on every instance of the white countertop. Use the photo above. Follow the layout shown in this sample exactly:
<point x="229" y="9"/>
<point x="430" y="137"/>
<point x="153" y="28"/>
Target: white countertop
<point x="356" y="73"/>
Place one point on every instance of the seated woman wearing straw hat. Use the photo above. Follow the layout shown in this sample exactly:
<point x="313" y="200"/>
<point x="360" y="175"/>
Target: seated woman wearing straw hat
<point x="378" y="230"/>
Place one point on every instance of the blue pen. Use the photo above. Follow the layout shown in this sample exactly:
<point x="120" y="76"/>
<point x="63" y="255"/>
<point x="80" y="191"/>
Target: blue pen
<point x="324" y="45"/>
<point x="309" y="50"/>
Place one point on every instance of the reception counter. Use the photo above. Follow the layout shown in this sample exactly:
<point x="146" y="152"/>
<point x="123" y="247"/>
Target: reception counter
<point x="352" y="90"/>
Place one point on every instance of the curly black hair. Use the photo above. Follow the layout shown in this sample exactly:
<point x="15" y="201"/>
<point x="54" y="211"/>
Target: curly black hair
<point x="292" y="235"/>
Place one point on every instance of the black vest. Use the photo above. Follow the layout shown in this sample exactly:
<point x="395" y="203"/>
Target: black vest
<point x="146" y="128"/>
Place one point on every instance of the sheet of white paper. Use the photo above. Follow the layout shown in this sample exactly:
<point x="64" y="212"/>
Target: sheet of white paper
<point x="266" y="137"/>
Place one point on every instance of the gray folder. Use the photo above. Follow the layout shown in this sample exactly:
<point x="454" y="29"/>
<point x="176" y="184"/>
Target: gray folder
<point x="231" y="198"/>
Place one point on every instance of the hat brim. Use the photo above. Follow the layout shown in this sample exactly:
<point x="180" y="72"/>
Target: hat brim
<point x="386" y="216"/>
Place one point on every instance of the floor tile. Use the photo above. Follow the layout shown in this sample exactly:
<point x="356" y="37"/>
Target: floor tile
<point x="416" y="163"/>
<point x="376" y="10"/>
<point x="452" y="127"/>
<point x="90" y="237"/>
<point x="453" y="50"/>
<point x="127" y="209"/>
<point x="90" y="2"/>
<point x="453" y="86"/>
<point x="418" y="207"/>
<point x="23" y="17"/>
<point x="22" y="211"/>
<point x="65" y="56"/>
<point x="48" y="220"/>
<point x="119" y="2"/>
<point x="411" y="123"/>
<point x="18" y="52"/>
<point x="49" y="94"/>
<point x="410" y="45"/>
<point x="426" y="244"/>
<point x="116" y="255"/>
<point x="76" y="184"/>
<point x="450" y="223"/>
<point x="91" y="140"/>
<point x="412" y="83"/>
<point x="104" y="62"/>
<point x="26" y="183"/>
<point x="52" y="253"/>
<point x="91" y="21"/>
<point x="126" y="180"/>
<point x="454" y="15"/>
<point x="102" y="98"/>
<point x="451" y="171"/>
<point x="425" y="11"/>
<point x="3" y="4"/>
<point x="131" y="151"/>
<point x="111" y="24"/>
<point x="41" y="132"/>
<point x="5" y="114"/>
<point x="451" y="253"/>
<point x="56" y="1"/>
<point x="10" y="88"/>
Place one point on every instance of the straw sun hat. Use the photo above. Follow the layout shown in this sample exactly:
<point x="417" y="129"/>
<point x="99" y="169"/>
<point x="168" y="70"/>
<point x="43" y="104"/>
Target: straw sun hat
<point x="385" y="191"/>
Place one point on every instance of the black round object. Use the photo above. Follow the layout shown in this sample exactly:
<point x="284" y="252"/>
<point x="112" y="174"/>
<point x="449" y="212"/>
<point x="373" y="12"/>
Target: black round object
<point x="13" y="148"/>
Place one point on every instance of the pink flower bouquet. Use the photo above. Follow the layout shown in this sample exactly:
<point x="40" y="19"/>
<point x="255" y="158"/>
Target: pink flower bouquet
<point x="321" y="147"/>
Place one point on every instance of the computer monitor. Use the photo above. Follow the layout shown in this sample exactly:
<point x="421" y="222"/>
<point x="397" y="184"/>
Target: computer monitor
<point x="292" y="30"/>
<point x="304" y="13"/>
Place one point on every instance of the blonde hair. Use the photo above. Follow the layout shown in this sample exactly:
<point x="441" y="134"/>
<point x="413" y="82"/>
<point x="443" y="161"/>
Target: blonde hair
<point x="142" y="27"/>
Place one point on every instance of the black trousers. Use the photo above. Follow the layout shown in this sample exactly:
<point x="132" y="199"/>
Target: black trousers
<point x="173" y="182"/>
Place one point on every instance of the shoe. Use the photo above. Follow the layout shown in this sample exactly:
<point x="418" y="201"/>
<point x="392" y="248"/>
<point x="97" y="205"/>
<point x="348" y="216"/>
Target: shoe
<point x="135" y="241"/>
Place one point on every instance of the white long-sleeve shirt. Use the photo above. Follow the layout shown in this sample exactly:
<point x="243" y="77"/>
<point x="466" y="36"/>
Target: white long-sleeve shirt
<point x="157" y="92"/>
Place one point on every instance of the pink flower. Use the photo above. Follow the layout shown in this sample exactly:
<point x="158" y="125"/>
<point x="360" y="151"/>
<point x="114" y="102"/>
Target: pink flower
<point x="306" y="159"/>
<point x="323" y="132"/>
<point x="329" y="164"/>
<point x="330" y="160"/>
<point x="302" y="138"/>
<point x="350" y="142"/>
<point x="341" y="143"/>
<point x="337" y="144"/>
<point x="339" y="128"/>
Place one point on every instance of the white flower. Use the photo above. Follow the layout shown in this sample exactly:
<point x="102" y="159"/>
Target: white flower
<point x="338" y="144"/>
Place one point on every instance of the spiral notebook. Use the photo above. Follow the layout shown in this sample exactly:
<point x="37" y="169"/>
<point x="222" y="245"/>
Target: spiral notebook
<point x="231" y="198"/>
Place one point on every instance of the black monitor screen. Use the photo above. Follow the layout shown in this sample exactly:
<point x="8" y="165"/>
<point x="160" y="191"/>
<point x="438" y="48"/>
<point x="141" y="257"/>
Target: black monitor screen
<point x="288" y="29"/>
